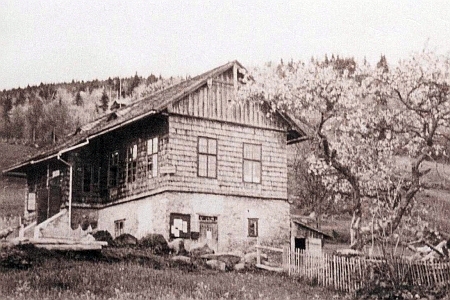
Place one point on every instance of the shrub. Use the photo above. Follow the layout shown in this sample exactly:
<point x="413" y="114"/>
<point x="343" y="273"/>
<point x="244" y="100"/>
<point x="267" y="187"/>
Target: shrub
<point x="125" y="240"/>
<point x="156" y="242"/>
<point x="104" y="236"/>
<point x="23" y="256"/>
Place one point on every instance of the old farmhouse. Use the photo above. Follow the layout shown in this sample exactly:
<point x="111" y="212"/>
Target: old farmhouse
<point x="188" y="161"/>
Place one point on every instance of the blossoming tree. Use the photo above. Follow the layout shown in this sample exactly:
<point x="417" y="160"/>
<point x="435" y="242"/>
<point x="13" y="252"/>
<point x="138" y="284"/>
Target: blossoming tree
<point x="359" y="119"/>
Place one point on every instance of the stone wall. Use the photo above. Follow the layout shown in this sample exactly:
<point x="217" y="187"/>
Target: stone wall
<point x="152" y="215"/>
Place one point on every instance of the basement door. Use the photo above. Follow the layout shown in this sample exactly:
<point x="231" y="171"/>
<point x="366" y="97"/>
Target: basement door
<point x="49" y="200"/>
<point x="209" y="232"/>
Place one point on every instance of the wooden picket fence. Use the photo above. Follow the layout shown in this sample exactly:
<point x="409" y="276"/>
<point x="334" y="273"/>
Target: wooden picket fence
<point x="349" y="274"/>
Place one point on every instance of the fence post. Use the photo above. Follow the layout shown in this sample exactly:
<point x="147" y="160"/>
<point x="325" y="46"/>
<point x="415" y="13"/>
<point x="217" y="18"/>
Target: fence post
<point x="258" y="252"/>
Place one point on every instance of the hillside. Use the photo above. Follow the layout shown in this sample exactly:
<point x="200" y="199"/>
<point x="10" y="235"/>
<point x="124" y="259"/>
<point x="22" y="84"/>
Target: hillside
<point x="12" y="190"/>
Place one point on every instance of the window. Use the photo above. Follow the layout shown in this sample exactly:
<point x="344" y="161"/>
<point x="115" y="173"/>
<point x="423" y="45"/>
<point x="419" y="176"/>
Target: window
<point x="113" y="174"/>
<point x="252" y="163"/>
<point x="132" y="163"/>
<point x="87" y="178"/>
<point x="91" y="178"/>
<point x="207" y="157"/>
<point x="180" y="225"/>
<point x="152" y="157"/>
<point x="118" y="227"/>
<point x="31" y="201"/>
<point x="252" y="227"/>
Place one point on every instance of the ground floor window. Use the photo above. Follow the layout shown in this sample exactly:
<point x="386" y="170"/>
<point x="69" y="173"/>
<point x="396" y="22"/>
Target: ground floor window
<point x="252" y="227"/>
<point x="119" y="226"/>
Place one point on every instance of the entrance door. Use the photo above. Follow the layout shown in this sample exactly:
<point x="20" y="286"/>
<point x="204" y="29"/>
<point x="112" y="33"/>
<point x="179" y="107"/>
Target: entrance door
<point x="209" y="232"/>
<point x="54" y="196"/>
<point x="49" y="200"/>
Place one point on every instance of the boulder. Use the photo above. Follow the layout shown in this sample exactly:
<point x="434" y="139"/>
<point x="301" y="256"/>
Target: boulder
<point x="156" y="242"/>
<point x="216" y="264"/>
<point x="250" y="258"/>
<point x="176" y="246"/>
<point x="239" y="266"/>
<point x="181" y="258"/>
<point x="125" y="240"/>
<point x="229" y="259"/>
<point x="200" y="249"/>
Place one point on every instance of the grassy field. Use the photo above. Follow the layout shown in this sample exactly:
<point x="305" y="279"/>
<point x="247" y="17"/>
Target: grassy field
<point x="158" y="278"/>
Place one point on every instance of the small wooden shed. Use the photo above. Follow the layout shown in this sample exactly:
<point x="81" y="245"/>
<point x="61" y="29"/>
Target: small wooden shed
<point x="305" y="236"/>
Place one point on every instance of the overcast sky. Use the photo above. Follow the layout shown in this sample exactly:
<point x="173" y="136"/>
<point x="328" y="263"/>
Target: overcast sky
<point x="55" y="41"/>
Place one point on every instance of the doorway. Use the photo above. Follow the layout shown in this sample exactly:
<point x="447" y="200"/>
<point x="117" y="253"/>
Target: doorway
<point x="49" y="199"/>
<point x="209" y="232"/>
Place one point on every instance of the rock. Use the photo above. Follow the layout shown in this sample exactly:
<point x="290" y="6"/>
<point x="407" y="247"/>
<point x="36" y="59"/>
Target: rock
<point x="156" y="242"/>
<point x="237" y="253"/>
<point x="216" y="264"/>
<point x="125" y="240"/>
<point x="176" y="246"/>
<point x="181" y="258"/>
<point x="250" y="258"/>
<point x="239" y="266"/>
<point x="229" y="259"/>
<point x="199" y="250"/>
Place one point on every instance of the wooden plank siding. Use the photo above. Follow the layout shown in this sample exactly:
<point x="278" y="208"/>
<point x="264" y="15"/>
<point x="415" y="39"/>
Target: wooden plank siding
<point x="98" y="151"/>
<point x="216" y="101"/>
<point x="183" y="135"/>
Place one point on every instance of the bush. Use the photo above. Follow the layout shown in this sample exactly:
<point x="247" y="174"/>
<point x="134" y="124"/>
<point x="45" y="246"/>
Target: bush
<point x="22" y="256"/>
<point x="125" y="240"/>
<point x="104" y="236"/>
<point x="156" y="242"/>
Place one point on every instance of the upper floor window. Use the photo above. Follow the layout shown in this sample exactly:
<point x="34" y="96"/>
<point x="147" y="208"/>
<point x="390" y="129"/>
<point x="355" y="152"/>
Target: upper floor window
<point x="132" y="163"/>
<point x="113" y="171"/>
<point x="152" y="157"/>
<point x="252" y="163"/>
<point x="207" y="157"/>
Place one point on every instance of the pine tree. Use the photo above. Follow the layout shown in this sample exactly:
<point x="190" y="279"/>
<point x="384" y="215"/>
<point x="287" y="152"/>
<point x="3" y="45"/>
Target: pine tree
<point x="78" y="99"/>
<point x="104" y="101"/>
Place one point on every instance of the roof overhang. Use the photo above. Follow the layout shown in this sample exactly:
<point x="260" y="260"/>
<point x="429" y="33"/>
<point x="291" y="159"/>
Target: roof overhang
<point x="79" y="143"/>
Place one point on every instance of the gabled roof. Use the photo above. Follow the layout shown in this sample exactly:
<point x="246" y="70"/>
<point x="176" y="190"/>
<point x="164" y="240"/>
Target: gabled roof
<point x="142" y="108"/>
<point x="154" y="103"/>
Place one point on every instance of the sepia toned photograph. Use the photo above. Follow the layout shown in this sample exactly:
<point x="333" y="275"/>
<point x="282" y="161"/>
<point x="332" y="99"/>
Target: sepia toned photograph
<point x="224" y="150"/>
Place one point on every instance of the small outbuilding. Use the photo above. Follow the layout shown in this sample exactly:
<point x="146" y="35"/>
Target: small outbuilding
<point x="306" y="236"/>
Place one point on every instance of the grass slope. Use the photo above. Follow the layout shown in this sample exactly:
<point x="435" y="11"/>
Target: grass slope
<point x="62" y="278"/>
<point x="12" y="190"/>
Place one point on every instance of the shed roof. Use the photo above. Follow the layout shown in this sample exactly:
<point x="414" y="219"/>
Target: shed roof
<point x="296" y="221"/>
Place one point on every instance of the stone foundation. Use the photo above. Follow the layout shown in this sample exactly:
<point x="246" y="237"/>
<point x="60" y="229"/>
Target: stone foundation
<point x="152" y="215"/>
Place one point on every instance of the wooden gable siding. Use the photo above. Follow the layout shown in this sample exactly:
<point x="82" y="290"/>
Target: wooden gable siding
<point x="183" y="135"/>
<point x="216" y="100"/>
